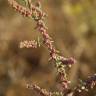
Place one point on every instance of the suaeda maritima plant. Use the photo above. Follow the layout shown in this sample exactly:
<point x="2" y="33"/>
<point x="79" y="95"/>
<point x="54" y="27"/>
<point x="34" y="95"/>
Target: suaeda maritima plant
<point x="34" y="12"/>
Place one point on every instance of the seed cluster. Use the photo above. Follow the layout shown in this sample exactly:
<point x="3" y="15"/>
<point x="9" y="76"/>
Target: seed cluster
<point x="22" y="10"/>
<point x="28" y="44"/>
<point x="91" y="82"/>
<point x="37" y="89"/>
<point x="86" y="85"/>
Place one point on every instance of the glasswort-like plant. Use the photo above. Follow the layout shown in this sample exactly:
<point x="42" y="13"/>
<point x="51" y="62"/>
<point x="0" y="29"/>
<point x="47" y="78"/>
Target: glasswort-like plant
<point x="34" y="12"/>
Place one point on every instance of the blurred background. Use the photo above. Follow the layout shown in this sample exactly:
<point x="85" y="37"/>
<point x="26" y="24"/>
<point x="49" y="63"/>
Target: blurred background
<point x="71" y="23"/>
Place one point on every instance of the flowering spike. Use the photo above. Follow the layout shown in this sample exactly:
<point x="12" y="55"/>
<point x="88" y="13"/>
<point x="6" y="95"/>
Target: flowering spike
<point x="35" y="12"/>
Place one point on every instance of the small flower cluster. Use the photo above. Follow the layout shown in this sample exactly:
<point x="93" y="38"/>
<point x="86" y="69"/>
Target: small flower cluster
<point x="28" y="44"/>
<point x="63" y="81"/>
<point x="22" y="10"/>
<point x="37" y="89"/>
<point x="57" y="94"/>
<point x="32" y="11"/>
<point x="91" y="82"/>
<point x="86" y="85"/>
<point x="43" y="92"/>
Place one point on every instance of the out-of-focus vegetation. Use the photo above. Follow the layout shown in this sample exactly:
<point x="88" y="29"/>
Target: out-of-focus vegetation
<point x="72" y="24"/>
